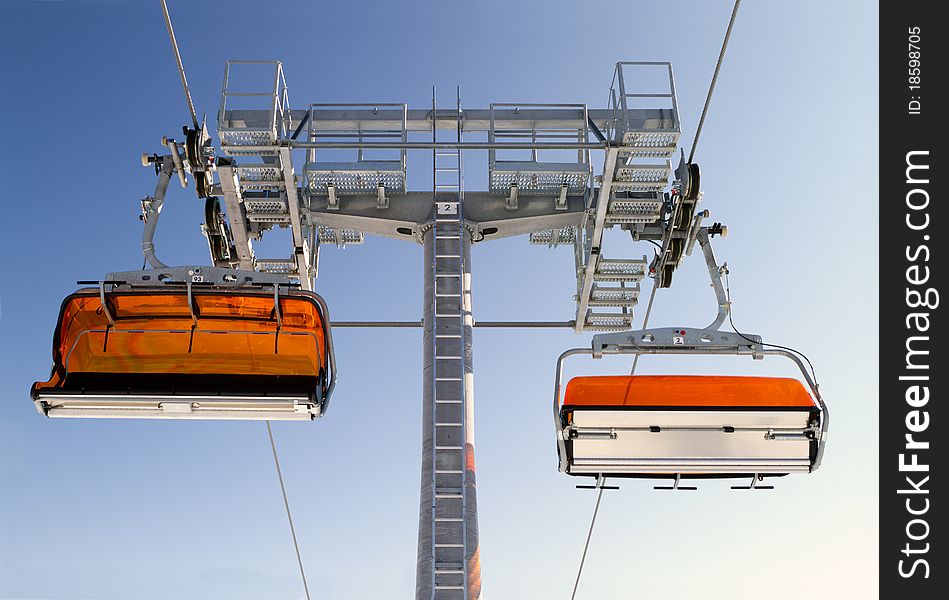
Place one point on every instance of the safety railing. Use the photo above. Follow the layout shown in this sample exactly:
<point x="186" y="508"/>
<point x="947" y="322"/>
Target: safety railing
<point x="249" y="117"/>
<point x="333" y="171"/>
<point x="530" y="175"/>
<point x="645" y="120"/>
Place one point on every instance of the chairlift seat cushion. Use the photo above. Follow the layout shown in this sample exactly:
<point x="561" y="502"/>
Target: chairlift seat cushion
<point x="686" y="391"/>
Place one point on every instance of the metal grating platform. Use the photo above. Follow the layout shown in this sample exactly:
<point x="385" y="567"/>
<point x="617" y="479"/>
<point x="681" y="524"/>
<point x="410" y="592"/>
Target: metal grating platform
<point x="634" y="210"/>
<point x="354" y="178"/>
<point x="277" y="265"/>
<point x="266" y="205"/>
<point x="340" y="237"/>
<point x="233" y="140"/>
<point x="607" y="321"/>
<point x="650" y="144"/>
<point x="621" y="269"/>
<point x="553" y="237"/>
<point x="271" y="210"/>
<point x="614" y="296"/>
<point x="539" y="179"/>
<point x="641" y="177"/>
<point x="260" y="177"/>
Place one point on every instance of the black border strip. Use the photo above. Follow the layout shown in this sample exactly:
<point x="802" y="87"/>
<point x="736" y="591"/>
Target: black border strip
<point x="912" y="272"/>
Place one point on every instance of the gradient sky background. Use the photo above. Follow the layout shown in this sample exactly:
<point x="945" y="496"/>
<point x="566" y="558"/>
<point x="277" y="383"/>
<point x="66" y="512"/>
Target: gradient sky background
<point x="155" y="510"/>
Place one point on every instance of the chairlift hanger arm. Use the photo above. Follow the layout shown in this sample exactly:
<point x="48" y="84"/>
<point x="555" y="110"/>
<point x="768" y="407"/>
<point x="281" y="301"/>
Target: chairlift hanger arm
<point x="151" y="207"/>
<point x="715" y="274"/>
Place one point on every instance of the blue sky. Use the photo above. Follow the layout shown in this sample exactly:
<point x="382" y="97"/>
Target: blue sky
<point x="110" y="510"/>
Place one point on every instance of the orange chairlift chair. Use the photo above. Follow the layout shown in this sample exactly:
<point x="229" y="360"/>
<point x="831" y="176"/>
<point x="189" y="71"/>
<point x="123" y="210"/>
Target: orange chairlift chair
<point x="190" y="343"/>
<point x="676" y="427"/>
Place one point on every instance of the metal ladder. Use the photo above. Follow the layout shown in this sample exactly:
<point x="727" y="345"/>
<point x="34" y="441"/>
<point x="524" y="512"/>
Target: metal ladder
<point x="262" y="193"/>
<point x="257" y="197"/>
<point x="636" y="172"/>
<point x="259" y="185"/>
<point x="288" y="208"/>
<point x="450" y="473"/>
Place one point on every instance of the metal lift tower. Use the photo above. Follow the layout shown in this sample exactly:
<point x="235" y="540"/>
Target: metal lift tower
<point x="339" y="200"/>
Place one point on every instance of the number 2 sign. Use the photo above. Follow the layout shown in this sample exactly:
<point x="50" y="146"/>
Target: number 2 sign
<point x="448" y="208"/>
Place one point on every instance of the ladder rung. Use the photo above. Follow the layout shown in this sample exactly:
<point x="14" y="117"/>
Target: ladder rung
<point x="447" y="274"/>
<point x="448" y="335"/>
<point x="449" y="401"/>
<point x="449" y="447"/>
<point x="449" y="424"/>
<point x="449" y="495"/>
<point x="450" y="546"/>
<point x="449" y="472"/>
<point x="449" y="587"/>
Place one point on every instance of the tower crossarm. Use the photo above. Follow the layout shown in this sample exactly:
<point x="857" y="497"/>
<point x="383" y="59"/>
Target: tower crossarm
<point x="486" y="217"/>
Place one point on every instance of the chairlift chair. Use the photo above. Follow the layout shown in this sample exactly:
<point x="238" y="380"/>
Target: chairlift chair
<point x="676" y="426"/>
<point x="190" y="343"/>
<point x="673" y="426"/>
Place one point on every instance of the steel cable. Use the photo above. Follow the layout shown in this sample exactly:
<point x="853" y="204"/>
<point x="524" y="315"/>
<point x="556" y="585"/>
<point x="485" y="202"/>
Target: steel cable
<point x="286" y="505"/>
<point x="652" y="297"/>
<point x="711" y="87"/>
<point x="181" y="67"/>
<point x="586" y="546"/>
